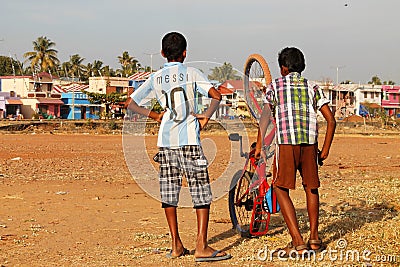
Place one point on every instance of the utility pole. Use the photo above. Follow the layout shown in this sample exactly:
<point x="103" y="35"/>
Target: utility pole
<point x="151" y="59"/>
<point x="337" y="86"/>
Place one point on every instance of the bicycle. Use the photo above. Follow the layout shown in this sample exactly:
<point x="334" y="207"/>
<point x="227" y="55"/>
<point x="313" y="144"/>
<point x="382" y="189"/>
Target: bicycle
<point x="249" y="185"/>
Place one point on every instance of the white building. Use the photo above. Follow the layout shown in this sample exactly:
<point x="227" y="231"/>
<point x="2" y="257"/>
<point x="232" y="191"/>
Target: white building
<point x="347" y="99"/>
<point x="107" y="85"/>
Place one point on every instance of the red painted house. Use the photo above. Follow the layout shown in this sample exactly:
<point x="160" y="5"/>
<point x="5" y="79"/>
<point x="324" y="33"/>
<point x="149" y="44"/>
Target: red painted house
<point x="391" y="99"/>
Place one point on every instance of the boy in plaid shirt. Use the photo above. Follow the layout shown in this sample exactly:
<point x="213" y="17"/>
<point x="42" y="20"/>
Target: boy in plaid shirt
<point x="296" y="100"/>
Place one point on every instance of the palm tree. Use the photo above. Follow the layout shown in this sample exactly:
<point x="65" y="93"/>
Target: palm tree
<point x="223" y="73"/>
<point x="128" y="64"/>
<point x="375" y="80"/>
<point x="65" y="68"/>
<point x="44" y="55"/>
<point x="76" y="68"/>
<point x="94" y="69"/>
<point x="107" y="71"/>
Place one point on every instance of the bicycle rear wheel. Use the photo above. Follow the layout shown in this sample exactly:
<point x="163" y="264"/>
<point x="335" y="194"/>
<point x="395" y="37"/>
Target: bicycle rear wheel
<point x="257" y="76"/>
<point x="241" y="203"/>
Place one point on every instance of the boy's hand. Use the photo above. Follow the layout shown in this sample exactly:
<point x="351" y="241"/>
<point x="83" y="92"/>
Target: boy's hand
<point x="260" y="154"/>
<point x="321" y="157"/>
<point x="257" y="152"/>
<point x="203" y="120"/>
<point x="159" y="116"/>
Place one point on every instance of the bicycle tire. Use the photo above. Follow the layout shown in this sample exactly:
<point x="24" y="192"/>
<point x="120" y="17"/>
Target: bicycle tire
<point x="240" y="213"/>
<point x="256" y="77"/>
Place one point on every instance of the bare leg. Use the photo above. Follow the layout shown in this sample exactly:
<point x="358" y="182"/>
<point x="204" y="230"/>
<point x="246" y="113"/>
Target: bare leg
<point x="202" y="248"/>
<point x="177" y="246"/>
<point x="313" y="213"/>
<point x="289" y="214"/>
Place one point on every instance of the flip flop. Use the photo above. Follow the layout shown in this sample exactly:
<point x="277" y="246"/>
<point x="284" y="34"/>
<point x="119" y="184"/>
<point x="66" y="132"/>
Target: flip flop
<point x="319" y="243"/>
<point x="184" y="253"/>
<point x="214" y="257"/>
<point x="287" y="251"/>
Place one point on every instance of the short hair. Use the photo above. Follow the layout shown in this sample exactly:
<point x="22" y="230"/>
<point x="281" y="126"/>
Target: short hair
<point x="292" y="58"/>
<point x="173" y="44"/>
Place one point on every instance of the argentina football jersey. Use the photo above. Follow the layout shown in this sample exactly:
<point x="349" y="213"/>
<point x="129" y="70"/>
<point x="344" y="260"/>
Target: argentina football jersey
<point x="176" y="88"/>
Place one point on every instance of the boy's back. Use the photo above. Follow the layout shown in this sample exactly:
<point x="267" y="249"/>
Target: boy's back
<point x="296" y="101"/>
<point x="176" y="88"/>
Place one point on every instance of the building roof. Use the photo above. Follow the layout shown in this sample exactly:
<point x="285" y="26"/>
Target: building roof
<point x="52" y="101"/>
<point x="15" y="77"/>
<point x="14" y="102"/>
<point x="346" y="87"/>
<point x="371" y="105"/>
<point x="233" y="84"/>
<point x="225" y="91"/>
<point x="47" y="75"/>
<point x="139" y="76"/>
<point x="70" y="88"/>
<point x="391" y="88"/>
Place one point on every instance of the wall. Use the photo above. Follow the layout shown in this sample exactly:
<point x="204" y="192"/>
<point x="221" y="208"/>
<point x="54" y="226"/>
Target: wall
<point x="20" y="85"/>
<point x="29" y="107"/>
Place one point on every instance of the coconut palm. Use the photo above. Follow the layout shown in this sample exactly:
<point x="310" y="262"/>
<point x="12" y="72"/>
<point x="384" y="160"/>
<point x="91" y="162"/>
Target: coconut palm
<point x="107" y="71"/>
<point x="128" y="64"/>
<point x="44" y="56"/>
<point x="75" y="66"/>
<point x="94" y="69"/>
<point x="223" y="73"/>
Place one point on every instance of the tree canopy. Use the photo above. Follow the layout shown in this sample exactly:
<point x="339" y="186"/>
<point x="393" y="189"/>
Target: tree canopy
<point x="44" y="56"/>
<point x="375" y="80"/>
<point x="113" y="98"/>
<point x="129" y="65"/>
<point x="223" y="73"/>
<point x="10" y="66"/>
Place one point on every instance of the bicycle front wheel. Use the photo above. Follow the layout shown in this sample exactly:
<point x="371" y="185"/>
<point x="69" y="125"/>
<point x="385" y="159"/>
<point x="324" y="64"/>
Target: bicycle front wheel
<point x="257" y="76"/>
<point x="241" y="202"/>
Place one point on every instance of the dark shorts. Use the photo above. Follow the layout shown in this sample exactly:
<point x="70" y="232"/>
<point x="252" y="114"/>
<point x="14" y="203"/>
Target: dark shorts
<point x="290" y="158"/>
<point x="188" y="161"/>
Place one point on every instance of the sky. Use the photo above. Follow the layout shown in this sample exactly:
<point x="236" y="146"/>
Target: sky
<point x="341" y="39"/>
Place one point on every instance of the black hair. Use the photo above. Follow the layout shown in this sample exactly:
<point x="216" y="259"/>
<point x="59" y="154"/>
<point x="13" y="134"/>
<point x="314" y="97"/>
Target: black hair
<point x="173" y="44"/>
<point x="292" y="58"/>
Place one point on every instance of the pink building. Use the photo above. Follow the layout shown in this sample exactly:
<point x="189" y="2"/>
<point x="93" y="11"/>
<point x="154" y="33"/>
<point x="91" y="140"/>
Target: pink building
<point x="391" y="99"/>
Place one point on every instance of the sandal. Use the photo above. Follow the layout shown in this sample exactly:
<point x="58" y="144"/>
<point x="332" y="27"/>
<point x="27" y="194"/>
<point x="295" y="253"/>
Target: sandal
<point x="289" y="250"/>
<point x="317" y="242"/>
<point x="184" y="253"/>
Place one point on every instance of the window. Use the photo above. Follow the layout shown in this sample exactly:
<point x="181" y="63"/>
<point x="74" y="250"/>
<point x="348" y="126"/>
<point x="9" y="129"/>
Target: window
<point x="365" y="95"/>
<point x="386" y="95"/>
<point x="377" y="95"/>
<point x="372" y="95"/>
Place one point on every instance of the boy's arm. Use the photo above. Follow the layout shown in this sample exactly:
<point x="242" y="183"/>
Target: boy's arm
<point x="215" y="99"/>
<point x="144" y="111"/>
<point x="330" y="131"/>
<point x="262" y="128"/>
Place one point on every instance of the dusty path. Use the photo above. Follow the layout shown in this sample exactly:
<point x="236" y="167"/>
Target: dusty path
<point x="69" y="200"/>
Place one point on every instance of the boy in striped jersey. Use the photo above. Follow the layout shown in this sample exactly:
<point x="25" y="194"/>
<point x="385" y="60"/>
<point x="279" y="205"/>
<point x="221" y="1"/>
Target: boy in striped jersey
<point x="177" y="87"/>
<point x="296" y="100"/>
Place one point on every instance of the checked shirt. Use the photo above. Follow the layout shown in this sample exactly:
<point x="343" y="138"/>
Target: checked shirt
<point x="296" y="101"/>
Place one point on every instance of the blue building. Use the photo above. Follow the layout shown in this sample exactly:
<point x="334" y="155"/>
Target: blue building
<point x="77" y="107"/>
<point x="137" y="79"/>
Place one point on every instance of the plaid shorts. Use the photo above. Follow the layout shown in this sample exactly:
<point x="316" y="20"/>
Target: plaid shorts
<point x="190" y="162"/>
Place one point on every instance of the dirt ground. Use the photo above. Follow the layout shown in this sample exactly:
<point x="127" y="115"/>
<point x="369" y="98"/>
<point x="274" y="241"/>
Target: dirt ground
<point x="70" y="200"/>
